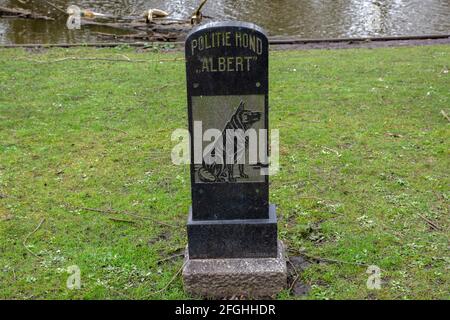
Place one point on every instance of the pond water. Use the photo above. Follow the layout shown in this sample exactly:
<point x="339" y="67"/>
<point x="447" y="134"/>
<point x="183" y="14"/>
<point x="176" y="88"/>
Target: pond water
<point x="302" y="18"/>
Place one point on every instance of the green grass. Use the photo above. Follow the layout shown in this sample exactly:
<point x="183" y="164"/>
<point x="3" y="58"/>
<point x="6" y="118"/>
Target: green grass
<point x="364" y="150"/>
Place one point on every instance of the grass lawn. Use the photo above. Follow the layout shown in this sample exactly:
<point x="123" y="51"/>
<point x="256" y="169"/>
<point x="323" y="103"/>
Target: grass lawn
<point x="364" y="174"/>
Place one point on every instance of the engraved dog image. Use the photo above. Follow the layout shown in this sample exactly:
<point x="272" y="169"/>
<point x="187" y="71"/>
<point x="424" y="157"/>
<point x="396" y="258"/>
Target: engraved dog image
<point x="223" y="172"/>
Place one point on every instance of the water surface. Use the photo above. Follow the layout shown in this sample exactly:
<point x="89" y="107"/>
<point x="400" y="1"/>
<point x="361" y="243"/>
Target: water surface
<point x="302" y="18"/>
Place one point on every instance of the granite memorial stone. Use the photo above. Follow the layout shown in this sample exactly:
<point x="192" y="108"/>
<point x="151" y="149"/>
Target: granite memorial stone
<point x="231" y="223"/>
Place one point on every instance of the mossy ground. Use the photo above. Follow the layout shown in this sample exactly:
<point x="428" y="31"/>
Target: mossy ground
<point x="364" y="156"/>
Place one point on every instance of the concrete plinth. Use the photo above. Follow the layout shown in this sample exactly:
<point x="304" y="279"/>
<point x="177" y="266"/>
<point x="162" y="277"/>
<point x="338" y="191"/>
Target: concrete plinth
<point x="249" y="277"/>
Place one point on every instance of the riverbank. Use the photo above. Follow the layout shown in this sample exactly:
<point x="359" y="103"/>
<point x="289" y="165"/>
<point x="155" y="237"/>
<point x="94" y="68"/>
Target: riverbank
<point x="86" y="176"/>
<point x="276" y="43"/>
<point x="358" y="44"/>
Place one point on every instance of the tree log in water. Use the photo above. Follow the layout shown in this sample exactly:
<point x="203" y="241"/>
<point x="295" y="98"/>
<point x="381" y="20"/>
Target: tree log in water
<point x="155" y="27"/>
<point x="158" y="28"/>
<point x="20" y="13"/>
<point x="141" y="36"/>
<point x="162" y="30"/>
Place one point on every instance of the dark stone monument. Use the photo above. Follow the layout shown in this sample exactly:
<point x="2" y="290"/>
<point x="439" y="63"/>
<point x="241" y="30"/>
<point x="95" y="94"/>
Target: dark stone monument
<point x="232" y="228"/>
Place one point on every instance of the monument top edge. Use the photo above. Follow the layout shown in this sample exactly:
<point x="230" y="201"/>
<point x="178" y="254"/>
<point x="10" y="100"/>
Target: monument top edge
<point x="221" y="24"/>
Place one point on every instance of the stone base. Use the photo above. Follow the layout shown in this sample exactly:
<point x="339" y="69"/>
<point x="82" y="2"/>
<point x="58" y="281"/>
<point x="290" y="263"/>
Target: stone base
<point x="249" y="277"/>
<point x="226" y="239"/>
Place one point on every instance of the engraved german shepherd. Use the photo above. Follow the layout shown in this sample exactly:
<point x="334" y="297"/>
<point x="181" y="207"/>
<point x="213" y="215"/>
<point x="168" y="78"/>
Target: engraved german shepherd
<point x="223" y="172"/>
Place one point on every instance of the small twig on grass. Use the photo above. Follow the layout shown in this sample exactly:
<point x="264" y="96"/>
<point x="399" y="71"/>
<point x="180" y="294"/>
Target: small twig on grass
<point x="291" y="287"/>
<point x="170" y="258"/>
<point x="122" y="220"/>
<point x="166" y="86"/>
<point x="115" y="129"/>
<point x="119" y="293"/>
<point x="316" y="198"/>
<point x="430" y="223"/>
<point x="320" y="259"/>
<point x="297" y="275"/>
<point x="170" y="282"/>
<point x="310" y="197"/>
<point x="396" y="233"/>
<point x="394" y="135"/>
<point x="322" y="190"/>
<point x="162" y="87"/>
<point x="445" y="115"/>
<point x="124" y="56"/>
<point x="125" y="213"/>
<point x="332" y="150"/>
<point x="30" y="234"/>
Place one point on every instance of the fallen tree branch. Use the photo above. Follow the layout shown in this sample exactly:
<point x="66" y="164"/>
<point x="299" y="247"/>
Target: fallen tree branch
<point x="100" y="59"/>
<point x="85" y="59"/>
<point x="180" y="28"/>
<point x="122" y="220"/>
<point x="30" y="234"/>
<point x="170" y="37"/>
<point x="109" y="211"/>
<point x="55" y="7"/>
<point x="20" y="13"/>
